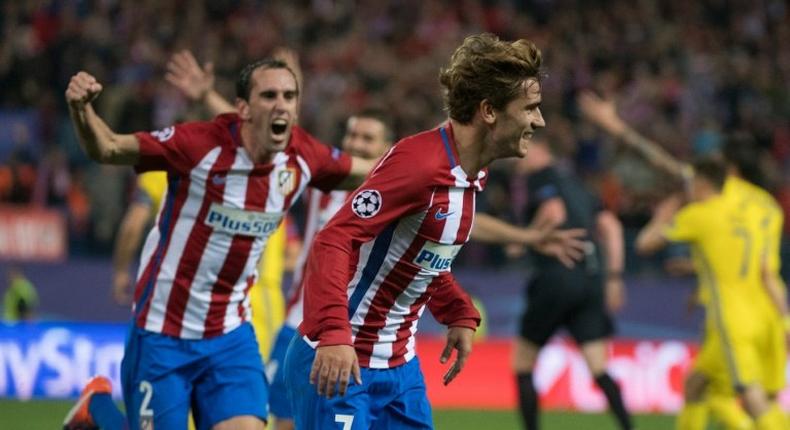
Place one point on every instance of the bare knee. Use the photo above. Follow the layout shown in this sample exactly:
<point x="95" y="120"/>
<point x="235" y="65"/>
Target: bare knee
<point x="525" y="356"/>
<point x="243" y="422"/>
<point x="595" y="354"/>
<point x="755" y="400"/>
<point x="283" y="424"/>
<point x="694" y="387"/>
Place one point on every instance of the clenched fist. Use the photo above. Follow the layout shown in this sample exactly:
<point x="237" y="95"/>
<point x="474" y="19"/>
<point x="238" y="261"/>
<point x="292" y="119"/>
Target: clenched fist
<point x="83" y="88"/>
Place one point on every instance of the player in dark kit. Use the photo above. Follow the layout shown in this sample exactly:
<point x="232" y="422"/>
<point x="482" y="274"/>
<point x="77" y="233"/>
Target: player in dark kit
<point x="577" y="298"/>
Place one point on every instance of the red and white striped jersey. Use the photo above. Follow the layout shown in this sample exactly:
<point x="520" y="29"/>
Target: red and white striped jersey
<point x="199" y="260"/>
<point x="387" y="254"/>
<point x="321" y="207"/>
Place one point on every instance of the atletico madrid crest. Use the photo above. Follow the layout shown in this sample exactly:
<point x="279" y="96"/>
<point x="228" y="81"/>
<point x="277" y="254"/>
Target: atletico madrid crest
<point x="286" y="180"/>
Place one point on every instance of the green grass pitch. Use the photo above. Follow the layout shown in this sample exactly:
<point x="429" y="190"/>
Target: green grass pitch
<point x="48" y="415"/>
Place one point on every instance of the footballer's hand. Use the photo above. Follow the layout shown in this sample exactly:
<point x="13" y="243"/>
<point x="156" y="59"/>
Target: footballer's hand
<point x="333" y="366"/>
<point x="184" y="73"/>
<point x="567" y="246"/>
<point x="601" y="112"/>
<point x="83" y="88"/>
<point x="122" y="287"/>
<point x="460" y="339"/>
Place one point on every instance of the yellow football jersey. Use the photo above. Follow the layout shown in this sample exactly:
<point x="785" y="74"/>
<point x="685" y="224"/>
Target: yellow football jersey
<point x="152" y="186"/>
<point x="726" y="253"/>
<point x="266" y="296"/>
<point x="728" y="239"/>
<point x="765" y="212"/>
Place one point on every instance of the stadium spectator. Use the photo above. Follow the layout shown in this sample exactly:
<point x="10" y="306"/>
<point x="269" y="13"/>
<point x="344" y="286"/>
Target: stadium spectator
<point x="683" y="68"/>
<point x="20" y="299"/>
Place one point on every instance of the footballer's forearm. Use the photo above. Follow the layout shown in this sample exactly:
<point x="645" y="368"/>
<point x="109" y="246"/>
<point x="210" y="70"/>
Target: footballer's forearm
<point x="489" y="229"/>
<point x="651" y="239"/>
<point x="653" y="152"/>
<point x="129" y="235"/>
<point x="360" y="167"/>
<point x="100" y="142"/>
<point x="610" y="231"/>
<point x="216" y="104"/>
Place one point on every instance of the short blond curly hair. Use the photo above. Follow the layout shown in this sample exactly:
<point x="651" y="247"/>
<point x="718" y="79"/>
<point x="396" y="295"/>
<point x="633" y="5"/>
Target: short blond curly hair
<point x="486" y="68"/>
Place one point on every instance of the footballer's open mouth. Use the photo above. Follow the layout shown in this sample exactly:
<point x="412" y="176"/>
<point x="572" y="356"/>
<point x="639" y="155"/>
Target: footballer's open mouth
<point x="279" y="126"/>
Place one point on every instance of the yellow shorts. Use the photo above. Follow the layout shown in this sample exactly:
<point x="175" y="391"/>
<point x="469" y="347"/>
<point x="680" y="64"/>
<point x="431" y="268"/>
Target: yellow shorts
<point x="737" y="357"/>
<point x="775" y="358"/>
<point x="268" y="313"/>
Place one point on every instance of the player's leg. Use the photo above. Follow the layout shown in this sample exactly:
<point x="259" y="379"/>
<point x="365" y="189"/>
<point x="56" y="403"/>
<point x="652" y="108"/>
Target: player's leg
<point x="694" y="414"/>
<point x="591" y="326"/>
<point x="767" y="416"/>
<point x="156" y="392"/>
<point x="409" y="407"/>
<point x="709" y="374"/>
<point x="726" y="410"/>
<point x="745" y="349"/>
<point x="279" y="405"/>
<point x="775" y="357"/>
<point x="595" y="355"/>
<point x="525" y="357"/>
<point x="547" y="303"/>
<point x="230" y="391"/>
<point x="313" y="412"/>
<point x="773" y="419"/>
<point x="95" y="408"/>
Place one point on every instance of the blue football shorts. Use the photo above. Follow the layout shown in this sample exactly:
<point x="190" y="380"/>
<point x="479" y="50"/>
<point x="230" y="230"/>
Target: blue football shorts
<point x="392" y="398"/>
<point x="218" y="378"/>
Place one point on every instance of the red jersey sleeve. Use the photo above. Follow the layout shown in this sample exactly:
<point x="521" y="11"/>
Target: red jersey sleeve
<point x="451" y="305"/>
<point x="328" y="165"/>
<point x="398" y="186"/>
<point x="177" y="148"/>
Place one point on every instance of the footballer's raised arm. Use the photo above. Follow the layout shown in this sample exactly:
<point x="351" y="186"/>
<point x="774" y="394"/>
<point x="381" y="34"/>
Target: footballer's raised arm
<point x="603" y="113"/>
<point x="196" y="82"/>
<point x="100" y="142"/>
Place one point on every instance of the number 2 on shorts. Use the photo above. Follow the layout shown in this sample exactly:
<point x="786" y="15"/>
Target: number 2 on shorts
<point x="148" y="390"/>
<point x="345" y="419"/>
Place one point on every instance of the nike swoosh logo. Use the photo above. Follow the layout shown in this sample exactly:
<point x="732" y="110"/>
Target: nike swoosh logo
<point x="442" y="215"/>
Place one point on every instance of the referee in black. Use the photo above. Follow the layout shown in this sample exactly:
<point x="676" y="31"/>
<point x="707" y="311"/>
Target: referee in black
<point x="578" y="298"/>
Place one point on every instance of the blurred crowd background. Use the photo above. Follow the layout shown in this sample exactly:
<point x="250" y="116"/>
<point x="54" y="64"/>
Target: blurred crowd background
<point x="684" y="73"/>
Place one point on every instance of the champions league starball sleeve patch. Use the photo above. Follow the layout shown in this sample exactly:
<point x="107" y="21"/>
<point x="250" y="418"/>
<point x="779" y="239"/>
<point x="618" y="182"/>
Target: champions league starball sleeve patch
<point x="164" y="134"/>
<point x="366" y="203"/>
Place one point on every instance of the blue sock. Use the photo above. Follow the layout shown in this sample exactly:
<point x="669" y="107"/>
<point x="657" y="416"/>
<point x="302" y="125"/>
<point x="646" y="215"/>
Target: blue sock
<point x="105" y="413"/>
